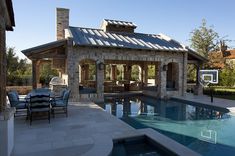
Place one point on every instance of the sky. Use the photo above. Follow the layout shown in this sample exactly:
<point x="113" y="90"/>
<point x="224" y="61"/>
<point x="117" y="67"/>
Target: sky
<point x="35" y="19"/>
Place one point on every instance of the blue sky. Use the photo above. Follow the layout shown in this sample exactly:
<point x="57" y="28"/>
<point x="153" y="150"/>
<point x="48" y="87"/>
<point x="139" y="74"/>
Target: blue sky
<point x="35" y="19"/>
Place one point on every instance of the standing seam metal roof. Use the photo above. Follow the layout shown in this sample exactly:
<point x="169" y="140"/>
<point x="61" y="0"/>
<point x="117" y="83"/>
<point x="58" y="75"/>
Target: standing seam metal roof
<point x="97" y="37"/>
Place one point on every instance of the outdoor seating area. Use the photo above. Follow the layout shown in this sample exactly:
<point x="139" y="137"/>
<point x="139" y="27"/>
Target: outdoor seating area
<point x="40" y="102"/>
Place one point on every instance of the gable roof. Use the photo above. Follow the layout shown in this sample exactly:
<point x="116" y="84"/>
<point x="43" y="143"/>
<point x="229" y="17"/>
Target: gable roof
<point x="44" y="48"/>
<point x="98" y="37"/>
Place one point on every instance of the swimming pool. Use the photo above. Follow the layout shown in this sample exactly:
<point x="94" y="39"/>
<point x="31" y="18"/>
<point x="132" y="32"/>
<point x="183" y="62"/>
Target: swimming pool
<point x="206" y="130"/>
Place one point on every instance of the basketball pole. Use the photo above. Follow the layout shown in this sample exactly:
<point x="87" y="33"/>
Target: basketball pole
<point x="211" y="93"/>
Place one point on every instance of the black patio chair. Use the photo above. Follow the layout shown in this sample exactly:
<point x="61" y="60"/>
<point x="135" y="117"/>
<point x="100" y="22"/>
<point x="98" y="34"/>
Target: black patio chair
<point x="39" y="103"/>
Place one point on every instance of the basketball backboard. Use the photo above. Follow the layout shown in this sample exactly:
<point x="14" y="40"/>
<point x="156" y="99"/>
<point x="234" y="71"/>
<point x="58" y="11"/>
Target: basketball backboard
<point x="208" y="76"/>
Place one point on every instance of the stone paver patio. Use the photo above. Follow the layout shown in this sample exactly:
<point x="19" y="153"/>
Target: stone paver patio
<point x="84" y="131"/>
<point x="87" y="131"/>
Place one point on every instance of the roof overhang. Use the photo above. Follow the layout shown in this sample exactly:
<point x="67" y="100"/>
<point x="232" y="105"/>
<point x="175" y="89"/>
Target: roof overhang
<point x="11" y="14"/>
<point x="195" y="56"/>
<point x="54" y="49"/>
<point x="8" y="14"/>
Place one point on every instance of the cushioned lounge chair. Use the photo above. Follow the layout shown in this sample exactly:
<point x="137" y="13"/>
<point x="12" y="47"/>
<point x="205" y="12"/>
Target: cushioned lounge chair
<point x="61" y="104"/>
<point x="15" y="101"/>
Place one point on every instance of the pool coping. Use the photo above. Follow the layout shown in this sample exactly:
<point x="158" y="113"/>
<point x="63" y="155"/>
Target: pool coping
<point x="203" y="100"/>
<point x="162" y="140"/>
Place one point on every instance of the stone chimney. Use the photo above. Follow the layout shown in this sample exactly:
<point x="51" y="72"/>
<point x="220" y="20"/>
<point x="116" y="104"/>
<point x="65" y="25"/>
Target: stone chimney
<point x="223" y="46"/>
<point x="62" y="22"/>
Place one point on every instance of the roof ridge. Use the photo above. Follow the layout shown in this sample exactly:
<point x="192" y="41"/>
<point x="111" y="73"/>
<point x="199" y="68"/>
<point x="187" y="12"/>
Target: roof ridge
<point x="85" y="28"/>
<point x="117" y="20"/>
<point x="120" y="22"/>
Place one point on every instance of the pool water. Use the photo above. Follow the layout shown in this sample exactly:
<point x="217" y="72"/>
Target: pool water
<point x="208" y="131"/>
<point x="139" y="146"/>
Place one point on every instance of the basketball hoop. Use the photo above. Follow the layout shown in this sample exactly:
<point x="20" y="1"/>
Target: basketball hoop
<point x="207" y="77"/>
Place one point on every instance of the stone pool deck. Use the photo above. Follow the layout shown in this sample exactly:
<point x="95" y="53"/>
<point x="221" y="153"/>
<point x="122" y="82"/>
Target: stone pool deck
<point x="206" y="100"/>
<point x="87" y="131"/>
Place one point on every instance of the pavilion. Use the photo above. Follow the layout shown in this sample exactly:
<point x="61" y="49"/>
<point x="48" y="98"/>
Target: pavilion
<point x="101" y="60"/>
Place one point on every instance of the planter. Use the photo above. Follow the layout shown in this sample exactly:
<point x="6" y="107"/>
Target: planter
<point x="7" y="132"/>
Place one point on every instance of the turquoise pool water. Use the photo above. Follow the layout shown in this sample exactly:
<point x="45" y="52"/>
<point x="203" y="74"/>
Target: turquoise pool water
<point x="208" y="131"/>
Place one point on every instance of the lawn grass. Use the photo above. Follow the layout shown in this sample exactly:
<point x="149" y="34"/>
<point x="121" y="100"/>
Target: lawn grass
<point x="225" y="89"/>
<point x="229" y="97"/>
<point x="222" y="92"/>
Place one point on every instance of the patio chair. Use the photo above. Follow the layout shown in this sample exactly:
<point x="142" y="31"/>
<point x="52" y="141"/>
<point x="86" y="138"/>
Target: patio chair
<point x="61" y="104"/>
<point x="38" y="104"/>
<point x="61" y="94"/>
<point x="15" y="101"/>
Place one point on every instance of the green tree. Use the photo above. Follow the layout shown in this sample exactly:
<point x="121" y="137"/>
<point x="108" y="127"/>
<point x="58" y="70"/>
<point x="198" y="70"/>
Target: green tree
<point x="135" y="72"/>
<point x="227" y="77"/>
<point x="151" y="71"/>
<point x="191" y="73"/>
<point x="46" y="73"/>
<point x="204" y="39"/>
<point x="18" y="70"/>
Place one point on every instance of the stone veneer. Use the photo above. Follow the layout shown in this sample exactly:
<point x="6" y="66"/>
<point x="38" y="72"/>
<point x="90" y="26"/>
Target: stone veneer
<point x="62" y="22"/>
<point x="2" y="62"/>
<point x="76" y="54"/>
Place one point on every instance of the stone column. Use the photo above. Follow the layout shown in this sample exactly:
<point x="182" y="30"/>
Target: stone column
<point x="162" y="85"/>
<point x="124" y="71"/>
<point x="113" y="72"/>
<point x="100" y="80"/>
<point x="127" y="76"/>
<point x="157" y="68"/>
<point x="197" y="74"/>
<point x="3" y="64"/>
<point x="145" y="74"/>
<point x="185" y="69"/>
<point x="35" y="73"/>
<point x="73" y="72"/>
<point x="6" y="114"/>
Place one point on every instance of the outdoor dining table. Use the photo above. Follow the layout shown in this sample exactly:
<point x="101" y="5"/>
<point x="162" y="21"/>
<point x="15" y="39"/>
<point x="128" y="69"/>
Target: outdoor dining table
<point x="33" y="93"/>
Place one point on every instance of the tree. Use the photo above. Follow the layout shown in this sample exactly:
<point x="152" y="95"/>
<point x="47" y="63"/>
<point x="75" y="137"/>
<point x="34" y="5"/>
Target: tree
<point x="46" y="73"/>
<point x="204" y="39"/>
<point x="18" y="70"/>
<point x="227" y="76"/>
<point x="191" y="74"/>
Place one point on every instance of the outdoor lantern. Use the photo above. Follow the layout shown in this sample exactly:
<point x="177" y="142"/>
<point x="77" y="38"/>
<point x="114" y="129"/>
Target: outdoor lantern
<point x="165" y="67"/>
<point x="101" y="66"/>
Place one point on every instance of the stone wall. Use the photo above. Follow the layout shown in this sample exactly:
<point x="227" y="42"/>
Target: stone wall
<point x="72" y="69"/>
<point x="2" y="57"/>
<point x="78" y="54"/>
